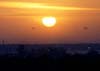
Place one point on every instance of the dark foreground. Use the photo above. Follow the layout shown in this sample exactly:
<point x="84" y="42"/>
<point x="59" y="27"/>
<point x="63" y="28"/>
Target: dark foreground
<point x="47" y="64"/>
<point x="48" y="58"/>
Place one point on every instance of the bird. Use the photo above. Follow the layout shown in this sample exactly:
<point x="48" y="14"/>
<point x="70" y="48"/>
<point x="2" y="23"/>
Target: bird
<point x="33" y="27"/>
<point x="85" y="28"/>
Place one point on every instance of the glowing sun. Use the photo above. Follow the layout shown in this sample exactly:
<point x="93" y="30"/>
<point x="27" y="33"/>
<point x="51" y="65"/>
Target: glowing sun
<point x="49" y="21"/>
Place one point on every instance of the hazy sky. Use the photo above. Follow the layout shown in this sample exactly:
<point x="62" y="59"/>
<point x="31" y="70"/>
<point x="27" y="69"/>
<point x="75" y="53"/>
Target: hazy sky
<point x="17" y="17"/>
<point x="81" y="3"/>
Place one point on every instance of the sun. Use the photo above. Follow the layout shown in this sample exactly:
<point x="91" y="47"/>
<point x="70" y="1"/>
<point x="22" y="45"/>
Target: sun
<point x="49" y="21"/>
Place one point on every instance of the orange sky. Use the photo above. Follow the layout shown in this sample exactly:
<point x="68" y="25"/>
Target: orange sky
<point x="17" y="19"/>
<point x="82" y="3"/>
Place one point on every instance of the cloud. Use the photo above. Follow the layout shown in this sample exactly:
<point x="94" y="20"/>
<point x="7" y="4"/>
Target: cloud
<point x="30" y="8"/>
<point x="30" y="5"/>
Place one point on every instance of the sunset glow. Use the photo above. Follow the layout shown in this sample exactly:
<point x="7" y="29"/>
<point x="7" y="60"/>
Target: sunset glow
<point x="49" y="21"/>
<point x="30" y="5"/>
